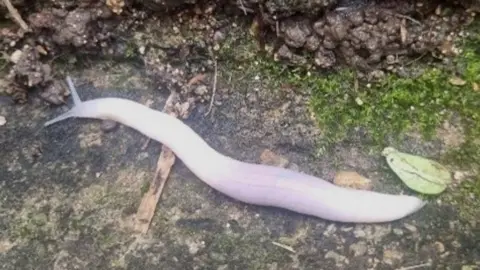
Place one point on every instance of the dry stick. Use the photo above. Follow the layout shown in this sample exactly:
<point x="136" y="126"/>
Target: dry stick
<point x="147" y="207"/>
<point x="214" y="88"/>
<point x="416" y="266"/>
<point x="15" y="15"/>
<point x="408" y="18"/>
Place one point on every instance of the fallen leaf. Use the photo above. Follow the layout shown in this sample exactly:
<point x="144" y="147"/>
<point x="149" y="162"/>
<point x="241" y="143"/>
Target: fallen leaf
<point x="475" y="87"/>
<point x="418" y="173"/>
<point x="3" y="121"/>
<point x="270" y="158"/>
<point x="457" y="81"/>
<point x="352" y="179"/>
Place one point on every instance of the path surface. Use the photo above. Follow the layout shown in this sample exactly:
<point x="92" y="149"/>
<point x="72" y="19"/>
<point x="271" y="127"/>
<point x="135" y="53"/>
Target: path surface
<point x="68" y="194"/>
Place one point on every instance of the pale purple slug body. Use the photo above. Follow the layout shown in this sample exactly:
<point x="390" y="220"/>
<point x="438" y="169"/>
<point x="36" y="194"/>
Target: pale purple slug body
<point x="250" y="183"/>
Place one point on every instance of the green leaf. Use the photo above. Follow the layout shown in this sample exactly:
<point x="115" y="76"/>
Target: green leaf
<point x="418" y="173"/>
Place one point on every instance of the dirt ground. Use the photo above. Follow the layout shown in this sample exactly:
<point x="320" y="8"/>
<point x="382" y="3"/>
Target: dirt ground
<point x="69" y="192"/>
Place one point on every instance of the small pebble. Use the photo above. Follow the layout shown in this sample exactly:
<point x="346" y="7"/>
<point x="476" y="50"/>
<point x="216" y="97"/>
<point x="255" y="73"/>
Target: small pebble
<point x="410" y="227"/>
<point x="108" y="125"/>
<point x="16" y="56"/>
<point x="398" y="231"/>
<point x="3" y="121"/>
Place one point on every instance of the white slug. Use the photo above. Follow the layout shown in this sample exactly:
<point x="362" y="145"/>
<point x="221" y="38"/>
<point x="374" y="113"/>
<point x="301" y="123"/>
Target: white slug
<point x="250" y="183"/>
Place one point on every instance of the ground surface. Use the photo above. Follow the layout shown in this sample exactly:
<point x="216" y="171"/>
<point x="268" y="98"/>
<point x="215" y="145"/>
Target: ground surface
<point x="68" y="193"/>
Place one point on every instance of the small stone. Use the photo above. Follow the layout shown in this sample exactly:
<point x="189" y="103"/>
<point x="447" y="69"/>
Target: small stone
<point x="296" y="33"/>
<point x="3" y="120"/>
<point x="218" y="36"/>
<point x="359" y="248"/>
<point x="390" y="59"/>
<point x="381" y="231"/>
<point x="456" y="244"/>
<point x="410" y="227"/>
<point x="312" y="43"/>
<point x="141" y="50"/>
<point x="325" y="58"/>
<point x="201" y="90"/>
<point x="108" y="125"/>
<point x="439" y="247"/>
<point x="359" y="233"/>
<point x="331" y="229"/>
<point x="398" y="231"/>
<point x="194" y="247"/>
<point x="16" y="56"/>
<point x="284" y="53"/>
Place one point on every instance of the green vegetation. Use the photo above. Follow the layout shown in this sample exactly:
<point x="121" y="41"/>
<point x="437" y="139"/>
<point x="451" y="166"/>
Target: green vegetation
<point x="388" y="109"/>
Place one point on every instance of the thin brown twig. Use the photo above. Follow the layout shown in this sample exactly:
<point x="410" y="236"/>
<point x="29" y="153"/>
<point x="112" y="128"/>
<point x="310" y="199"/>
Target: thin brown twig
<point x="147" y="207"/>
<point x="242" y="7"/>
<point x="16" y="16"/>
<point x="415" y="266"/>
<point x="214" y="88"/>
<point x="408" y="18"/>
<point x="416" y="59"/>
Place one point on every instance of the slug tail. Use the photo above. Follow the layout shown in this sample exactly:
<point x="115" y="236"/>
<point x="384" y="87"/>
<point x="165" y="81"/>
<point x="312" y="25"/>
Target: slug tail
<point x="76" y="103"/>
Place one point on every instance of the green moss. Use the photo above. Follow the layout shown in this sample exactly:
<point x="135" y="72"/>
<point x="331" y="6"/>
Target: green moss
<point x="388" y="109"/>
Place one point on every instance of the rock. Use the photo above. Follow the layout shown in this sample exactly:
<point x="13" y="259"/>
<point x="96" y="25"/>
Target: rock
<point x="352" y="179"/>
<point x="54" y="93"/>
<point x="359" y="248"/>
<point x="398" y="231"/>
<point x="410" y="227"/>
<point x="439" y="247"/>
<point x="312" y="43"/>
<point x="218" y="36"/>
<point x="324" y="58"/>
<point x="3" y="121"/>
<point x="108" y="125"/>
<point x="296" y="33"/>
<point x="331" y="229"/>
<point x="15" y="56"/>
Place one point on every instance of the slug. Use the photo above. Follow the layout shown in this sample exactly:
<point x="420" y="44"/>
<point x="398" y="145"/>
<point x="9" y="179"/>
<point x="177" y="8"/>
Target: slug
<point x="246" y="182"/>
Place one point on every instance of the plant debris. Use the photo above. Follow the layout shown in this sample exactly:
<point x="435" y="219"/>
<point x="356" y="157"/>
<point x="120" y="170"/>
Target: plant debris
<point x="353" y="180"/>
<point x="418" y="173"/>
<point x="147" y="207"/>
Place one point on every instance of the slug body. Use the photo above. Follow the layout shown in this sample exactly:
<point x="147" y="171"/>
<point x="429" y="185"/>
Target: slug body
<point x="250" y="183"/>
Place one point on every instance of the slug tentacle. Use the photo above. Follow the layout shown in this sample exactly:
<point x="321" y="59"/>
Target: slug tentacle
<point x="247" y="182"/>
<point x="76" y="98"/>
<point x="73" y="111"/>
